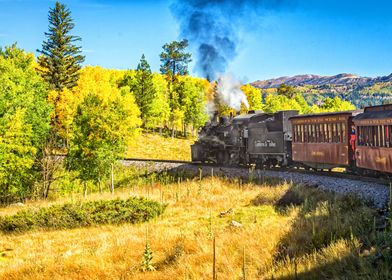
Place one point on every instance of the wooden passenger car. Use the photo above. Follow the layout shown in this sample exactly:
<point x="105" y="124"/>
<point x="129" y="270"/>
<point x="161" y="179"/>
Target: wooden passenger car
<point x="322" y="141"/>
<point x="374" y="140"/>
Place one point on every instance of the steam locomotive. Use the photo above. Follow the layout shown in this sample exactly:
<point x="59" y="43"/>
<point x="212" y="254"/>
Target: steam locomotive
<point x="359" y="140"/>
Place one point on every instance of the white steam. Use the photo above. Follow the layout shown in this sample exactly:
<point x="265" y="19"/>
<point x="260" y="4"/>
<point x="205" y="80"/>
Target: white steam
<point x="230" y="93"/>
<point x="210" y="109"/>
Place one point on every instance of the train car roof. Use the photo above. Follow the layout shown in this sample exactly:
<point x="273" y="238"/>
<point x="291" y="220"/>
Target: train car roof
<point x="369" y="115"/>
<point x="384" y="107"/>
<point x="351" y="113"/>
<point x="245" y="117"/>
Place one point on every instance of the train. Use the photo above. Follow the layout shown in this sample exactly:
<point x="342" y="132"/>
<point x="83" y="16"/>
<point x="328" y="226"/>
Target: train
<point x="359" y="141"/>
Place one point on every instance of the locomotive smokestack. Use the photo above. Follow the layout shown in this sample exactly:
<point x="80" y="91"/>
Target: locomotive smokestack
<point x="215" y="117"/>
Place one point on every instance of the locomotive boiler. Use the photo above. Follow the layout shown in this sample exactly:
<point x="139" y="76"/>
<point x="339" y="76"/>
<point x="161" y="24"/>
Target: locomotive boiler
<point x="256" y="137"/>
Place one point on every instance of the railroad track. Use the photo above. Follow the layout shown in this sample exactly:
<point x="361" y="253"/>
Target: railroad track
<point x="342" y="175"/>
<point x="157" y="160"/>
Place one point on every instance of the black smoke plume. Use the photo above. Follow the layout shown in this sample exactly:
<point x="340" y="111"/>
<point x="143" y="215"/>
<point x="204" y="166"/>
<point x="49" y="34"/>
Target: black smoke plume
<point x="212" y="28"/>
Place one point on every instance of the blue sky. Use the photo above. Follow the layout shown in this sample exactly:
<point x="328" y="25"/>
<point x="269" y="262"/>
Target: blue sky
<point x="308" y="37"/>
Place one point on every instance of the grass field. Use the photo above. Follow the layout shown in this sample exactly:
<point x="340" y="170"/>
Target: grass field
<point x="155" y="146"/>
<point x="286" y="232"/>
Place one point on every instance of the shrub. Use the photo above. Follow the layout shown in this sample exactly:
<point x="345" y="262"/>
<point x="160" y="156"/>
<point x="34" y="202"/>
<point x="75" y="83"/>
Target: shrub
<point x="82" y="214"/>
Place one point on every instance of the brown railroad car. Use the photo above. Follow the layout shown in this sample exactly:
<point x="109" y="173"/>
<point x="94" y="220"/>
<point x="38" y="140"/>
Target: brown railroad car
<point x="322" y="141"/>
<point x="374" y="146"/>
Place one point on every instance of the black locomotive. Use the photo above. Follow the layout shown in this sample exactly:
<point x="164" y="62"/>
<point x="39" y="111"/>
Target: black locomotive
<point x="256" y="137"/>
<point x="360" y="141"/>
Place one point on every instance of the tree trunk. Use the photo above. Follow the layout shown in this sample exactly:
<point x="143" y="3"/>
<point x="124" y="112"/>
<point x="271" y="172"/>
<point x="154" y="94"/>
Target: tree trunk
<point x="85" y="188"/>
<point x="100" y="184"/>
<point x="112" y="183"/>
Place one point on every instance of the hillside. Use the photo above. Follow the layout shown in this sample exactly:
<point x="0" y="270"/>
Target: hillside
<point x="155" y="146"/>
<point x="361" y="91"/>
<point x="317" y="80"/>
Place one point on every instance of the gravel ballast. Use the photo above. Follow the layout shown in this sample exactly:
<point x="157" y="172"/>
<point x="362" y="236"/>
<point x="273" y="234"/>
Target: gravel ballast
<point x="371" y="191"/>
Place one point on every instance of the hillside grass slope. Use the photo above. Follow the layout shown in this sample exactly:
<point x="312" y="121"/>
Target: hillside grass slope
<point x="286" y="232"/>
<point x="155" y="146"/>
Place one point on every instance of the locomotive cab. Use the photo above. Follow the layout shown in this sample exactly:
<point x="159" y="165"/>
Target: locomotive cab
<point x="270" y="137"/>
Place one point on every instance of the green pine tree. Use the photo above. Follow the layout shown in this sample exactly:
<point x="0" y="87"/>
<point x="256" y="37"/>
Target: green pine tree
<point x="60" y="59"/>
<point x="175" y="63"/>
<point x="175" y="60"/>
<point x="143" y="88"/>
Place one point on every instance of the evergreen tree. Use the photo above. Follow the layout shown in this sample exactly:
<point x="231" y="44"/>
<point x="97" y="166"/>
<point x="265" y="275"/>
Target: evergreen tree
<point x="60" y="59"/>
<point x="174" y="59"/>
<point x="175" y="63"/>
<point x="143" y="88"/>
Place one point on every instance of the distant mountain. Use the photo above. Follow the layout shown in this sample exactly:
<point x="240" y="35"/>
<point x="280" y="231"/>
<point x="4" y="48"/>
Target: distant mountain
<point x="317" y="80"/>
<point x="361" y="91"/>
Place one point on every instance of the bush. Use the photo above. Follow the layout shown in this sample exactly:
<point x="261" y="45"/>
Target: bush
<point x="82" y="214"/>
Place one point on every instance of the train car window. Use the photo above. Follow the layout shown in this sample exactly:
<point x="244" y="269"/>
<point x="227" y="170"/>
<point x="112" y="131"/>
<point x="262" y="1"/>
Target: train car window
<point x="358" y="128"/>
<point x="311" y="133"/>
<point x="386" y="132"/>
<point x="299" y="134"/>
<point x="365" y="133"/>
<point x="344" y="132"/>
<point x="317" y="133"/>
<point x="370" y="134"/>
<point x="302" y="133"/>
<point x="295" y="133"/>
<point x="334" y="133"/>
<point x="382" y="127"/>
<point x="329" y="130"/>
<point x="308" y="133"/>
<point x="364" y="136"/>
<point x="359" y="136"/>
<point x="325" y="133"/>
<point x="374" y="131"/>
<point x="380" y="139"/>
<point x="339" y="130"/>
<point x="320" y="133"/>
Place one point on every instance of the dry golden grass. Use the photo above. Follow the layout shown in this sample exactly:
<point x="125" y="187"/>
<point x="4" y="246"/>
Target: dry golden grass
<point x="181" y="239"/>
<point x="154" y="146"/>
